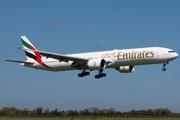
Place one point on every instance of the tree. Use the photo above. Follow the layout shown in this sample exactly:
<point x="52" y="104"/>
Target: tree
<point x="133" y="112"/>
<point x="75" y="112"/>
<point x="5" y="111"/>
<point x="85" y="112"/>
<point x="14" y="109"/>
<point x="102" y="112"/>
<point x="118" y="113"/>
<point x="111" y="111"/>
<point x="47" y="111"/>
<point x="157" y="112"/>
<point x="70" y="112"/>
<point x="54" y="112"/>
<point x="25" y="111"/>
<point x="150" y="112"/>
<point x="166" y="111"/>
<point x="39" y="110"/>
<point x="94" y="110"/>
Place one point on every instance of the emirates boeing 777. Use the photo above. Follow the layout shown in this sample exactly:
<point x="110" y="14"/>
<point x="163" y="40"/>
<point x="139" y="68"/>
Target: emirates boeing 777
<point x="122" y="60"/>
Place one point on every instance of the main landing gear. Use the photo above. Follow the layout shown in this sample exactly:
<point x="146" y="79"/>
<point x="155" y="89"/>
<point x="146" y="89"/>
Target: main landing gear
<point x="84" y="73"/>
<point x="164" y="64"/>
<point x="100" y="75"/>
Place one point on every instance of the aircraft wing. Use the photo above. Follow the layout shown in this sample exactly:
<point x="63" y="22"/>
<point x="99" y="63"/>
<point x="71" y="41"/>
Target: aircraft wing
<point x="19" y="61"/>
<point x="59" y="57"/>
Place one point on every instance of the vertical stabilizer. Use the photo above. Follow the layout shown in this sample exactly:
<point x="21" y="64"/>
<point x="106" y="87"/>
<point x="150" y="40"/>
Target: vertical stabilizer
<point x="31" y="55"/>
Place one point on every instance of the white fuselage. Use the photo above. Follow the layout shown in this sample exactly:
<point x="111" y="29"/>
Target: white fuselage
<point x="114" y="58"/>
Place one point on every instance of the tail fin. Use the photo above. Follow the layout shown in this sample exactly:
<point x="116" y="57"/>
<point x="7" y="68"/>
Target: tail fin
<point x="31" y="56"/>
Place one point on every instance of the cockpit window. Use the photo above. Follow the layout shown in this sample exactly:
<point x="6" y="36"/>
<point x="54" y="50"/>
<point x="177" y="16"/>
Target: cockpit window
<point x="171" y="51"/>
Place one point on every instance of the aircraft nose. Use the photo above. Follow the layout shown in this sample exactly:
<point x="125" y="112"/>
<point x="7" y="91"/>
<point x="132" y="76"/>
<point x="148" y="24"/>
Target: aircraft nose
<point x="176" y="55"/>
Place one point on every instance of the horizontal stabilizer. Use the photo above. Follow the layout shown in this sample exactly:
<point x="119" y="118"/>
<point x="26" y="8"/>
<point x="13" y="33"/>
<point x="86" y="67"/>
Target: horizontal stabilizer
<point x="19" y="61"/>
<point x="18" y="47"/>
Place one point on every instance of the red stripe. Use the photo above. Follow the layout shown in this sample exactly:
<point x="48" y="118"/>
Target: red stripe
<point x="39" y="60"/>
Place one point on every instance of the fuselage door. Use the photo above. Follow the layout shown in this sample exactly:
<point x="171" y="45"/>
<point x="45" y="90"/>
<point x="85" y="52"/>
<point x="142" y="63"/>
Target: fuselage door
<point x="157" y="53"/>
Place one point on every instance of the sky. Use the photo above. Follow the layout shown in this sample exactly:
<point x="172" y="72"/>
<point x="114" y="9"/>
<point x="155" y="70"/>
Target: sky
<point x="68" y="27"/>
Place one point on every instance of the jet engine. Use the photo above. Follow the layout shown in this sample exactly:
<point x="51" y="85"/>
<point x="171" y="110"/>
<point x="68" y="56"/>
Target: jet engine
<point x="125" y="69"/>
<point x="96" y="64"/>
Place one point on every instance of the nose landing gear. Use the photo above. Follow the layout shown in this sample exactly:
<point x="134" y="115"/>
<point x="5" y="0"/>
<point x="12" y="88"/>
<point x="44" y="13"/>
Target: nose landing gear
<point x="164" y="64"/>
<point x="163" y="69"/>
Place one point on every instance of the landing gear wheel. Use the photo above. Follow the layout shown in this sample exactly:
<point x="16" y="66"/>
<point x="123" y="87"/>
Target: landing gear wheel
<point x="97" y="76"/>
<point x="164" y="64"/>
<point x="84" y="73"/>
<point x="104" y="74"/>
<point x="163" y="69"/>
<point x="80" y="75"/>
<point x="100" y="75"/>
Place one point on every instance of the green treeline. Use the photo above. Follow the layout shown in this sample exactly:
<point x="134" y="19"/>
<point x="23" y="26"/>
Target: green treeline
<point x="86" y="112"/>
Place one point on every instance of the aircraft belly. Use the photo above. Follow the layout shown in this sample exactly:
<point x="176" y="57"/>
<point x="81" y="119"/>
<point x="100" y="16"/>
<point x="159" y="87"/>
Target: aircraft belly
<point x="51" y="66"/>
<point x="60" y="66"/>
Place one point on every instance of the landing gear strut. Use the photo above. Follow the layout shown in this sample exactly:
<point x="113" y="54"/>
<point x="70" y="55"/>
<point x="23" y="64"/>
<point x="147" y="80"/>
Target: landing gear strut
<point x="100" y="75"/>
<point x="164" y="64"/>
<point x="84" y="73"/>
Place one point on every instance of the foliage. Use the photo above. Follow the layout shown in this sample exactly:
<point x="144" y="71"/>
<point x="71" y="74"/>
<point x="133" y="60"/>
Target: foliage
<point x="86" y="112"/>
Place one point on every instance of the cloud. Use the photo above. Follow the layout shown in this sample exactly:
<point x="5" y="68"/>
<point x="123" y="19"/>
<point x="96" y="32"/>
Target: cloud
<point x="49" y="25"/>
<point x="62" y="22"/>
<point x="59" y="23"/>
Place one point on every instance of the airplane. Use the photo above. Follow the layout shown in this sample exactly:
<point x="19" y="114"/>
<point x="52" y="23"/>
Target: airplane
<point x="122" y="60"/>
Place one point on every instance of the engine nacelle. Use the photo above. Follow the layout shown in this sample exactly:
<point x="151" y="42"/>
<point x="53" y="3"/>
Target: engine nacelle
<point x="125" y="69"/>
<point x="96" y="64"/>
